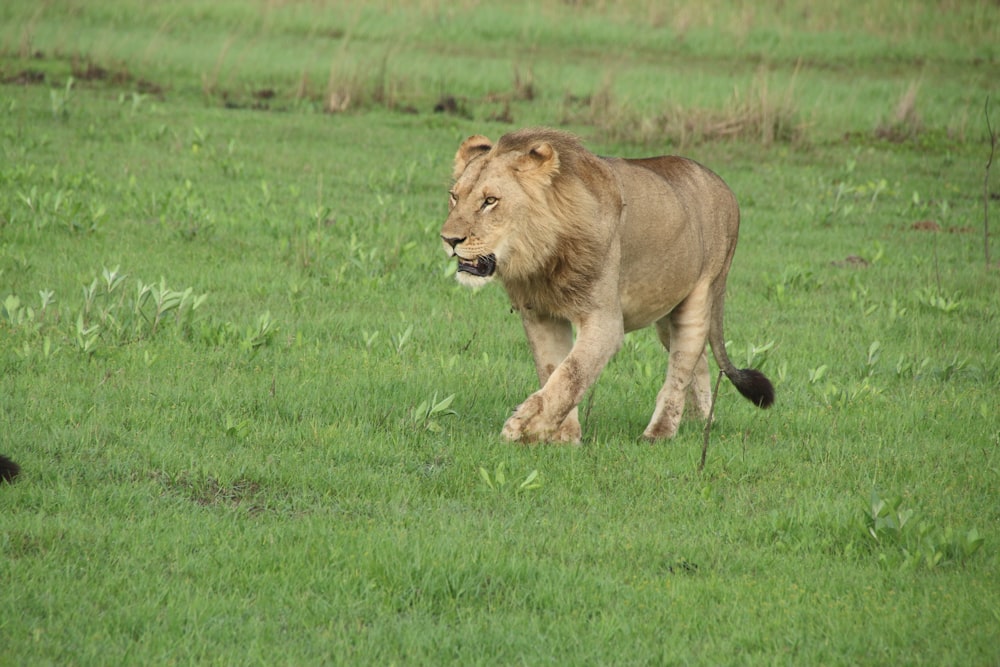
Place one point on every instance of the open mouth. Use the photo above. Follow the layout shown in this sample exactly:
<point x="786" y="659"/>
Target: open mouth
<point x="481" y="266"/>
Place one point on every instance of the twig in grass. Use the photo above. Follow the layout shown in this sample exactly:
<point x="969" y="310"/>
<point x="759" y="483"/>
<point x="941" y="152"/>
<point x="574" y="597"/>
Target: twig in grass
<point x="986" y="186"/>
<point x="708" y="424"/>
<point x="937" y="268"/>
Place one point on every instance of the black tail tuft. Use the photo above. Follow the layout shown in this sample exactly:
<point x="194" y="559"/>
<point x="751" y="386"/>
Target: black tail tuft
<point x="8" y="469"/>
<point x="754" y="385"/>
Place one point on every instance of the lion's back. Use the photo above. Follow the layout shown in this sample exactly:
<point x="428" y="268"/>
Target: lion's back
<point x="676" y="199"/>
<point x="680" y="227"/>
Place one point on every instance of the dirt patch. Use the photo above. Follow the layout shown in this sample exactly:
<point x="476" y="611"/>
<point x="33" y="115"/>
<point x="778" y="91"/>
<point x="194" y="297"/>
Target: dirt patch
<point x="25" y="77"/>
<point x="89" y="71"/>
<point x="852" y="262"/>
<point x="933" y="226"/>
<point x="208" y="491"/>
<point x="149" y="88"/>
<point x="447" y="104"/>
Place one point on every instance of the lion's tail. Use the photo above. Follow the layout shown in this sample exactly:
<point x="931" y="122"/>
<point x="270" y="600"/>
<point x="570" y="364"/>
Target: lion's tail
<point x="748" y="381"/>
<point x="753" y="384"/>
<point x="8" y="469"/>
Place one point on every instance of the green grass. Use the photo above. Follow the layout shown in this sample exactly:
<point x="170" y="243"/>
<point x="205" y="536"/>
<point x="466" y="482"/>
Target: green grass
<point x="260" y="476"/>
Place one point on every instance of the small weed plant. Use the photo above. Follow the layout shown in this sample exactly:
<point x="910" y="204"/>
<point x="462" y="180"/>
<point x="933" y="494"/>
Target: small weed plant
<point x="500" y="482"/>
<point x="899" y="538"/>
<point x="115" y="311"/>
<point x="427" y="415"/>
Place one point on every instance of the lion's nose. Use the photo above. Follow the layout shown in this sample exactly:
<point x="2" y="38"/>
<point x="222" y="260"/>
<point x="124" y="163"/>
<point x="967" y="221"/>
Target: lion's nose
<point x="452" y="240"/>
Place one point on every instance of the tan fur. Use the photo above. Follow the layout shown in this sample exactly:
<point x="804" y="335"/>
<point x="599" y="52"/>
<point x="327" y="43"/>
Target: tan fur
<point x="608" y="245"/>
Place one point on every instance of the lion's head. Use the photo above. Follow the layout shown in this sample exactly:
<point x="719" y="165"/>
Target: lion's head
<point x="510" y="204"/>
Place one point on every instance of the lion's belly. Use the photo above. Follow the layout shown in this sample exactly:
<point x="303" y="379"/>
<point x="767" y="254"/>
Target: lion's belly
<point x="645" y="303"/>
<point x="641" y="319"/>
<point x="660" y="268"/>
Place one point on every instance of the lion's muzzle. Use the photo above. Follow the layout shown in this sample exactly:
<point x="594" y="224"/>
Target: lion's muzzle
<point x="482" y="267"/>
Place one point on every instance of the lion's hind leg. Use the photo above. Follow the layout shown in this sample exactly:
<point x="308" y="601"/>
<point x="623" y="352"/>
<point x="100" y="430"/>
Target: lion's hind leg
<point x="684" y="333"/>
<point x="700" y="390"/>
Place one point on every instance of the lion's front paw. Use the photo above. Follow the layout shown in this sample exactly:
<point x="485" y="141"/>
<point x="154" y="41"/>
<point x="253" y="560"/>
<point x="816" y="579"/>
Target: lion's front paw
<point x="513" y="429"/>
<point x="530" y="424"/>
<point x="527" y="423"/>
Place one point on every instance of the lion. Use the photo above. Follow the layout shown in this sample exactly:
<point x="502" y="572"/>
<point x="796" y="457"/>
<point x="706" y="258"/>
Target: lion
<point x="605" y="245"/>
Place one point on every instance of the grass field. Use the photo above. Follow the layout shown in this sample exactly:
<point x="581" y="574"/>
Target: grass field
<point x="259" y="422"/>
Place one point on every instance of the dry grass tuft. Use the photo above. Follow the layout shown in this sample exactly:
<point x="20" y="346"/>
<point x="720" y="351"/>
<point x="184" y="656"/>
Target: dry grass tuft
<point x="350" y="86"/>
<point x="757" y="115"/>
<point x="524" y="85"/>
<point x="342" y="88"/>
<point x="905" y="122"/>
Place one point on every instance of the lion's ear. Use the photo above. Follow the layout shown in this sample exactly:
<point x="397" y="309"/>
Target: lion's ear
<point x="471" y="148"/>
<point x="541" y="157"/>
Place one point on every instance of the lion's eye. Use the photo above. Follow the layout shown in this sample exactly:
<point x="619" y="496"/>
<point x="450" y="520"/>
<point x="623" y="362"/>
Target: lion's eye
<point x="489" y="201"/>
<point x="452" y="199"/>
